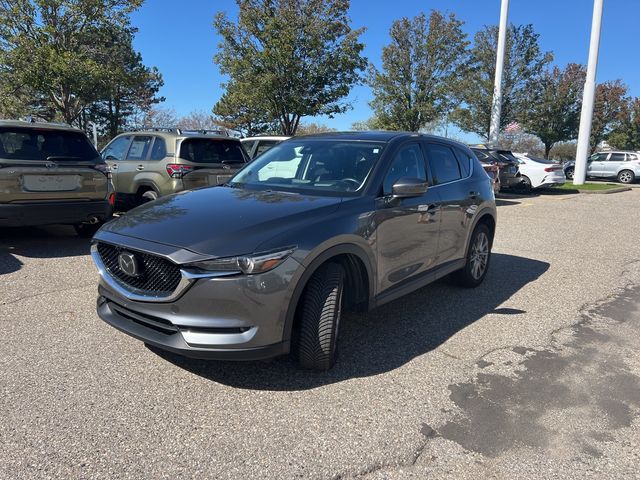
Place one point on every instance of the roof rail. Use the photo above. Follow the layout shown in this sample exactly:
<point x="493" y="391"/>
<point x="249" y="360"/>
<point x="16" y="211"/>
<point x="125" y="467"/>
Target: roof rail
<point x="31" y="119"/>
<point x="188" y="131"/>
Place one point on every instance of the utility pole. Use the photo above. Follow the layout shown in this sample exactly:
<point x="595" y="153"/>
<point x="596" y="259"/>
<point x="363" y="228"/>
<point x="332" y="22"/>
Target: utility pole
<point x="586" y="115"/>
<point x="496" y="106"/>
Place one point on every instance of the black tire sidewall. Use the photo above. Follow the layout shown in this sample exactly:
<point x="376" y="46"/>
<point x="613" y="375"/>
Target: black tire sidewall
<point x="315" y="351"/>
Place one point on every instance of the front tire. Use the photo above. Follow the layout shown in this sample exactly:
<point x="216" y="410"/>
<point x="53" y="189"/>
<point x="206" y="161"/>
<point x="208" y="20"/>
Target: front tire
<point x="478" y="258"/>
<point x="87" y="230"/>
<point x="320" y="318"/>
<point x="626" y="176"/>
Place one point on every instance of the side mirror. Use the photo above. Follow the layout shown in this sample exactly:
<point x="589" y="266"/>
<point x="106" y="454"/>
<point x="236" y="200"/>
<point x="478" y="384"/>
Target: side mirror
<point x="407" y="187"/>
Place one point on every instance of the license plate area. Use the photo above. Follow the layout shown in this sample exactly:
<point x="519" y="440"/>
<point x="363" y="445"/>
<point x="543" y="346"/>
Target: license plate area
<point x="50" y="183"/>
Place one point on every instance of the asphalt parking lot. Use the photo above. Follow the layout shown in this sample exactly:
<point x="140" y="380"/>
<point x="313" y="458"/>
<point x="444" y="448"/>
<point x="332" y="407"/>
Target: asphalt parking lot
<point x="535" y="374"/>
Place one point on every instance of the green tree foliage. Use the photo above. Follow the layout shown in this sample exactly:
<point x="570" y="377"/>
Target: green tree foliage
<point x="609" y="107"/>
<point x="420" y="69"/>
<point x="524" y="62"/>
<point x="556" y="100"/>
<point x="287" y="59"/>
<point x="626" y="136"/>
<point x="74" y="60"/>
<point x="564" y="151"/>
<point x="313" y="128"/>
<point x="126" y="86"/>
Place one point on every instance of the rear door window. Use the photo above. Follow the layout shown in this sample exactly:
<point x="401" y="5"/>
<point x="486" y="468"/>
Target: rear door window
<point x="139" y="148"/>
<point x="616" y="157"/>
<point x="465" y="162"/>
<point x="159" y="149"/>
<point x="443" y="162"/>
<point x="205" y="150"/>
<point x="45" y="144"/>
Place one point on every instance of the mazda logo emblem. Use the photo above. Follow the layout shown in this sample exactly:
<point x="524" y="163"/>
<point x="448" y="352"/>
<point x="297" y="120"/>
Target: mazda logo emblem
<point x="128" y="264"/>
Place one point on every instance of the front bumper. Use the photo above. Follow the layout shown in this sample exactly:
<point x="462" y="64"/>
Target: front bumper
<point x="239" y="317"/>
<point x="53" y="212"/>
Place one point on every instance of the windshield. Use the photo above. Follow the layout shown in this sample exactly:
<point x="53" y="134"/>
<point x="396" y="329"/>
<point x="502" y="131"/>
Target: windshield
<point x="45" y="144"/>
<point x="312" y="165"/>
<point x="211" y="150"/>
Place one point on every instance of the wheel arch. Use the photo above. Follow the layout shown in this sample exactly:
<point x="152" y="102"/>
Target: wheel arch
<point x="360" y="280"/>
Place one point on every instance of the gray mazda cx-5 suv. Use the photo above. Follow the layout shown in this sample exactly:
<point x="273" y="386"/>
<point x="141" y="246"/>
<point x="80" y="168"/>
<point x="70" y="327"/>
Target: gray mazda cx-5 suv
<point x="319" y="224"/>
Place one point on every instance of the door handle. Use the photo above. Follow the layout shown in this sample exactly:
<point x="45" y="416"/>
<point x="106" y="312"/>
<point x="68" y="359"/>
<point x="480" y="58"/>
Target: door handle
<point x="140" y="167"/>
<point x="114" y="166"/>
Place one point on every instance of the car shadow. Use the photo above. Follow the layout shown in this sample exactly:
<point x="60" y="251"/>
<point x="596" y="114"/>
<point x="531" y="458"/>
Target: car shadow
<point x="38" y="242"/>
<point x="389" y="336"/>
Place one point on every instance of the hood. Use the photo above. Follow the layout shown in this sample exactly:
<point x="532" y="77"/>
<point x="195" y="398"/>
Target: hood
<point x="221" y="221"/>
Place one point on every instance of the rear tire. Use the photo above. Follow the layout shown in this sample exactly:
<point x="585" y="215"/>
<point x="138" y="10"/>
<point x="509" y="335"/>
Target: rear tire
<point x="626" y="176"/>
<point x="478" y="259"/>
<point x="320" y="318"/>
<point x="569" y="173"/>
<point x="525" y="185"/>
<point x="148" y="196"/>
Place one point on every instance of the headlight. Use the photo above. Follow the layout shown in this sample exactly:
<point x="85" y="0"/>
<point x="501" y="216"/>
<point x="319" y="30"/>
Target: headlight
<point x="249" y="264"/>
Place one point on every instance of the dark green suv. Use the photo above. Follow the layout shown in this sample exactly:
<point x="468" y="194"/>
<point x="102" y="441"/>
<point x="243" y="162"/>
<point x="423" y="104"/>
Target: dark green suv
<point x="149" y="164"/>
<point x="50" y="173"/>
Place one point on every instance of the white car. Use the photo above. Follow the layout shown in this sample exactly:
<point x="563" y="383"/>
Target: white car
<point x="537" y="172"/>
<point x="254" y="146"/>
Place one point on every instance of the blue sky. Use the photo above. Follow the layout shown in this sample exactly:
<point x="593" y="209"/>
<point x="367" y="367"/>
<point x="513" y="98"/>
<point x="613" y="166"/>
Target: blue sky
<point x="181" y="41"/>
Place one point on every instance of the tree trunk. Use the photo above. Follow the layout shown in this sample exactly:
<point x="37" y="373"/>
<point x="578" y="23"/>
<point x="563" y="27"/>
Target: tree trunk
<point x="547" y="150"/>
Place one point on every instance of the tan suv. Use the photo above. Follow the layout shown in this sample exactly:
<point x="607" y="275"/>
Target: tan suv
<point x="148" y="164"/>
<point x="50" y="173"/>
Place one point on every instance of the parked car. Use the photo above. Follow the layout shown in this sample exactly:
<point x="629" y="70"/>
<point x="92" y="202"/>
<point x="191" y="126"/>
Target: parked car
<point x="51" y="174"/>
<point x="493" y="171"/>
<point x="509" y="173"/>
<point x="152" y="163"/>
<point x="266" y="264"/>
<point x="538" y="172"/>
<point x="258" y="145"/>
<point x="624" y="166"/>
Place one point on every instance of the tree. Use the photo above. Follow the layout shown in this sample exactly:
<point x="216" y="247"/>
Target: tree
<point x="564" y="151"/>
<point x="626" y="136"/>
<point x="521" y="142"/>
<point x="159" y="117"/>
<point x="127" y="86"/>
<point x="554" y="114"/>
<point x="369" y="124"/>
<point x="313" y="128"/>
<point x="289" y="59"/>
<point x="608" y="110"/>
<point x="420" y="68"/>
<point x="523" y="64"/>
<point x="244" y="113"/>
<point x="49" y="46"/>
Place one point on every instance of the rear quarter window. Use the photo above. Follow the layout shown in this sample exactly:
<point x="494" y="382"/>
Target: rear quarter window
<point x="205" y="150"/>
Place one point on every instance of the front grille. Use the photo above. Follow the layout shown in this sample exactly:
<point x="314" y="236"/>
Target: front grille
<point x="158" y="277"/>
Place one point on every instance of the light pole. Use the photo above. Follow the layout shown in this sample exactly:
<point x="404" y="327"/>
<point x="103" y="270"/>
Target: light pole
<point x="496" y="105"/>
<point x="580" y="170"/>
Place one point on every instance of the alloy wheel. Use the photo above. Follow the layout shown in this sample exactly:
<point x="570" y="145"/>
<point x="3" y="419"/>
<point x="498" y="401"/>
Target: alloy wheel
<point x="479" y="255"/>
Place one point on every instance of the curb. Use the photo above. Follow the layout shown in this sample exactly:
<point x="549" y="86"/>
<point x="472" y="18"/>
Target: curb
<point x="605" y="192"/>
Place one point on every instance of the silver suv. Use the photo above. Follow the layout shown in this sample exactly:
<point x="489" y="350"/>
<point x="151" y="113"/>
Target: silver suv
<point x="625" y="166"/>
